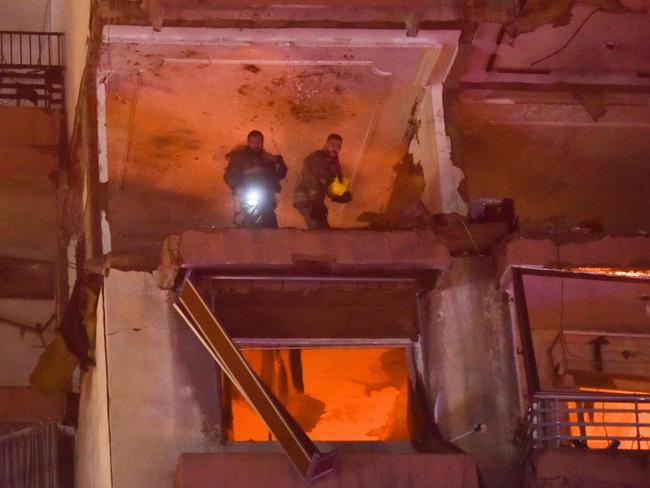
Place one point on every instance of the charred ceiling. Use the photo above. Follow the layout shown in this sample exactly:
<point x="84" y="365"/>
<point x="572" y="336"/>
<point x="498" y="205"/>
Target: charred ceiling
<point x="178" y="102"/>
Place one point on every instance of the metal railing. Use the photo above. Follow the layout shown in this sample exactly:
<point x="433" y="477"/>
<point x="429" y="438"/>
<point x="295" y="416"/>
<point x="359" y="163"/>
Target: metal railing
<point x="31" y="68"/>
<point x="31" y="49"/>
<point x="614" y="421"/>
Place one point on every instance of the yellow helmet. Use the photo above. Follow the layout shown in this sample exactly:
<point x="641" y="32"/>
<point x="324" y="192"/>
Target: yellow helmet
<point x="338" y="187"/>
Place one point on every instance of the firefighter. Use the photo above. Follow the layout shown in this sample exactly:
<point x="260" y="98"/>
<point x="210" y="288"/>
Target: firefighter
<point x="321" y="176"/>
<point x="254" y="175"/>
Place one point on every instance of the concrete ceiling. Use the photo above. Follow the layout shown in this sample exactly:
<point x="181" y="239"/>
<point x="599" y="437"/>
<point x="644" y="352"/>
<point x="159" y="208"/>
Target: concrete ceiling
<point x="587" y="305"/>
<point x="561" y="167"/>
<point x="178" y="101"/>
<point x="594" y="48"/>
<point x="598" y="43"/>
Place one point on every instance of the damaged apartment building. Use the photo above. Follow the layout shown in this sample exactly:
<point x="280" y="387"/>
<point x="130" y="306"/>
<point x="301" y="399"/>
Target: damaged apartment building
<point x="476" y="313"/>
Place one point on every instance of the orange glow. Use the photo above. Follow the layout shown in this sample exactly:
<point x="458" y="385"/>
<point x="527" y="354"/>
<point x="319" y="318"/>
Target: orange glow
<point x="635" y="273"/>
<point x="349" y="394"/>
<point x="612" y="417"/>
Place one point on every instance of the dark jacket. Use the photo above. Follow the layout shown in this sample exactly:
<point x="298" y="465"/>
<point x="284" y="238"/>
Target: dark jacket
<point x="318" y="172"/>
<point x="244" y="164"/>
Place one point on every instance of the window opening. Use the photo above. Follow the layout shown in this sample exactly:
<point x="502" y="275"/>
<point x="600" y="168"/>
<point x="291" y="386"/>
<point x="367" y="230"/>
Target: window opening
<point x="335" y="394"/>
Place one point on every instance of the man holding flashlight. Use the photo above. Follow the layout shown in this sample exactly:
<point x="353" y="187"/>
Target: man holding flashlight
<point x="254" y="177"/>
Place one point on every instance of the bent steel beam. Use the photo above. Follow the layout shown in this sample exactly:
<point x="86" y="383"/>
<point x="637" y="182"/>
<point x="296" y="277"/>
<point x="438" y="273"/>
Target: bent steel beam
<point x="302" y="452"/>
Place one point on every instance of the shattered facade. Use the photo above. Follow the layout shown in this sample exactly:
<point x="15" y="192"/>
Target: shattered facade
<point x="492" y="263"/>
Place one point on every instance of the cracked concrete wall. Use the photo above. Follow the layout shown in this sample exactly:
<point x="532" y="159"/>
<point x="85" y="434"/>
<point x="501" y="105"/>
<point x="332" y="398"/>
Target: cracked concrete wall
<point x="92" y="452"/>
<point x="470" y="365"/>
<point x="431" y="149"/>
<point x="161" y="383"/>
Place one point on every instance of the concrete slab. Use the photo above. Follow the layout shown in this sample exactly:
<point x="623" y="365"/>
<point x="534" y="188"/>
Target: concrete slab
<point x="608" y="251"/>
<point x="353" y="471"/>
<point x="344" y="249"/>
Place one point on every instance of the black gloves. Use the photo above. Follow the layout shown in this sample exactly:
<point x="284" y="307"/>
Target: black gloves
<point x="280" y="166"/>
<point x="345" y="198"/>
<point x="318" y="212"/>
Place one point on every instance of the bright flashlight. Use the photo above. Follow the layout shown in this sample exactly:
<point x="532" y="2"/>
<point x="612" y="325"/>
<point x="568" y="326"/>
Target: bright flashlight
<point x="253" y="197"/>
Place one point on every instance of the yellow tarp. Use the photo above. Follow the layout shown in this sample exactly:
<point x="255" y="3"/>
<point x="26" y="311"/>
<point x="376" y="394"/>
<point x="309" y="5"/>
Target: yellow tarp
<point x="54" y="368"/>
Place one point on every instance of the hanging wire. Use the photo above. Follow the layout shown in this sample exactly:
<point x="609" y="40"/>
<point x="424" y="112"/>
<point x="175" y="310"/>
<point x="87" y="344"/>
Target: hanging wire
<point x="47" y="15"/>
<point x="557" y="51"/>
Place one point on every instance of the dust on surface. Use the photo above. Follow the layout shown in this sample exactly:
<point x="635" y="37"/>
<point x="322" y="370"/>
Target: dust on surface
<point x="252" y="68"/>
<point x="173" y="142"/>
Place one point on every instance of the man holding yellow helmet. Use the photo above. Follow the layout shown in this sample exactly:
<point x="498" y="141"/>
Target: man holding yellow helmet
<point x="321" y="176"/>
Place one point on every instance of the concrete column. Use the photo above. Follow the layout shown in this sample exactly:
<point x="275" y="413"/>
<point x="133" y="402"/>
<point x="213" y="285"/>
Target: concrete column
<point x="93" y="448"/>
<point x="162" y="385"/>
<point x="470" y="364"/>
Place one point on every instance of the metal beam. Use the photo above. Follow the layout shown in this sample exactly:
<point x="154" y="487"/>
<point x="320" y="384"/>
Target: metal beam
<point x="530" y="363"/>
<point x="302" y="452"/>
<point x="580" y="275"/>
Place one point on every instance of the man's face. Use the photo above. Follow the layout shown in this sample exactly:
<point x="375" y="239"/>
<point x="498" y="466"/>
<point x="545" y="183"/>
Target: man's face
<point x="256" y="143"/>
<point x="333" y="147"/>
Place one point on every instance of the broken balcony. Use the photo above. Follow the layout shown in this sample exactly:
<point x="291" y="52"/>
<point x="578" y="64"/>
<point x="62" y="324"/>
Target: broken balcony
<point x="173" y="103"/>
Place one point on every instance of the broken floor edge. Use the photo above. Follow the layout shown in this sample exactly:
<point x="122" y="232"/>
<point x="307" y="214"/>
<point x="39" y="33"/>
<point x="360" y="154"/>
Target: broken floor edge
<point x="549" y="252"/>
<point x="209" y="35"/>
<point x="298" y="251"/>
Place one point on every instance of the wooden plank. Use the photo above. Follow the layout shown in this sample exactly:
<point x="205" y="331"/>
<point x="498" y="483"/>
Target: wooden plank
<point x="302" y="452"/>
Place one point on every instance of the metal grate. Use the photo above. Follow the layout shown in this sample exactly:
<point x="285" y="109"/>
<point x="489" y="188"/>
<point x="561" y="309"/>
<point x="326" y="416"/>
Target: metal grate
<point x="588" y="420"/>
<point x="31" y="67"/>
